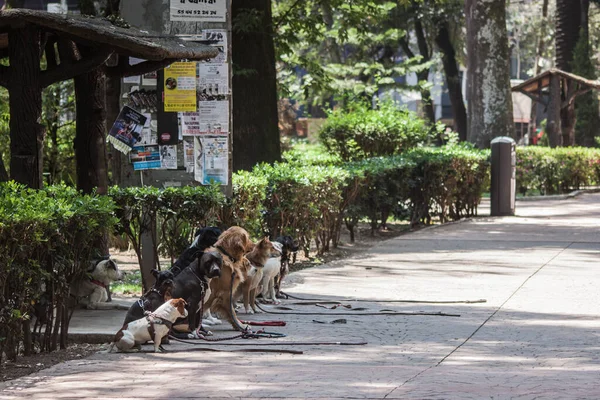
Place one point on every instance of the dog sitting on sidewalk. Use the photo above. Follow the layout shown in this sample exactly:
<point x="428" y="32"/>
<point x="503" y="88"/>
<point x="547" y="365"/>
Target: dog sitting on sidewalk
<point x="152" y="327"/>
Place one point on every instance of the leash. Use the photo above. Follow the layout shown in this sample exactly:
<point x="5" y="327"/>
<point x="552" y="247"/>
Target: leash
<point x="289" y="296"/>
<point x="436" y="314"/>
<point x="264" y="323"/>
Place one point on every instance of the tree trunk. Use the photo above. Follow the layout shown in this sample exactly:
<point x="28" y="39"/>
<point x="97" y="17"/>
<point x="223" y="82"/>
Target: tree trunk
<point x="568" y="24"/>
<point x="3" y="173"/>
<point x="113" y="94"/>
<point x="90" y="141"/>
<point x="428" y="109"/>
<point x="26" y="131"/>
<point x="539" y="51"/>
<point x="255" y="125"/>
<point x="488" y="81"/>
<point x="553" y="125"/>
<point x="453" y="82"/>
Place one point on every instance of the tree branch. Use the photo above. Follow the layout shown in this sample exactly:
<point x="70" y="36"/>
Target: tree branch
<point x="406" y="48"/>
<point x="123" y="69"/>
<point x="67" y="71"/>
<point x="422" y="41"/>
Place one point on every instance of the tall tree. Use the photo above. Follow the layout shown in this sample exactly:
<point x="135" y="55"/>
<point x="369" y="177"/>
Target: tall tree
<point x="488" y="81"/>
<point x="255" y="123"/>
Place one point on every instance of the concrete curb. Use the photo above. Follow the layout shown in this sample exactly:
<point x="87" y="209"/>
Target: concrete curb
<point x="560" y="196"/>
<point x="90" y="338"/>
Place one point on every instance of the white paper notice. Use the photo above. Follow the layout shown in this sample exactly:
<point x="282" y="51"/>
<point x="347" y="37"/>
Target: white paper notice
<point x="198" y="160"/>
<point x="188" y="153"/>
<point x="213" y="79"/>
<point x="198" y="10"/>
<point x="216" y="38"/>
<point x="211" y="160"/>
<point x="214" y="117"/>
<point x="190" y="123"/>
<point x="168" y="157"/>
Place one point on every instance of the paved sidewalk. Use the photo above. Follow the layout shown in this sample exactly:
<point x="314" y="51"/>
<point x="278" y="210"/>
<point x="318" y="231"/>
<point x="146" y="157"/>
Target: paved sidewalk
<point x="537" y="336"/>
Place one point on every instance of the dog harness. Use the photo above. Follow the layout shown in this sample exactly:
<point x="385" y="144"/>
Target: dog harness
<point x="153" y="319"/>
<point x="222" y="250"/>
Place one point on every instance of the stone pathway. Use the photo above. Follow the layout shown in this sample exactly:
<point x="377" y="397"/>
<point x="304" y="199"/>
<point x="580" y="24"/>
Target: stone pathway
<point x="537" y="336"/>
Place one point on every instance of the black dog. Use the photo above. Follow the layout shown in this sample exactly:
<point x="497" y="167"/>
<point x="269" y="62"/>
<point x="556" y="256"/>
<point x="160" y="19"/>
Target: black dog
<point x="191" y="284"/>
<point x="153" y="298"/>
<point x="289" y="248"/>
<point x="205" y="238"/>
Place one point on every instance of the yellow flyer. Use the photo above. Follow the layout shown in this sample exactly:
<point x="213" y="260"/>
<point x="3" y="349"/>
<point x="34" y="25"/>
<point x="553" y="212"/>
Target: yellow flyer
<point x="180" y="87"/>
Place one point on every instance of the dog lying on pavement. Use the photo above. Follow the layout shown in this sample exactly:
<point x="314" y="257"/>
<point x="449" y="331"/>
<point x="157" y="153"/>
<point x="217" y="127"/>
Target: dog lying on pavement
<point x="91" y="291"/>
<point x="158" y="294"/>
<point x="152" y="327"/>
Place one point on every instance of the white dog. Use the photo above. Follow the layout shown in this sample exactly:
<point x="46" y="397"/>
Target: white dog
<point x="153" y="327"/>
<point x="270" y="271"/>
<point x="91" y="291"/>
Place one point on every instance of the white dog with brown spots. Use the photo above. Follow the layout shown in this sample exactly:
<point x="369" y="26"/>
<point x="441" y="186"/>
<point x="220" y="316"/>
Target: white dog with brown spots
<point x="153" y="327"/>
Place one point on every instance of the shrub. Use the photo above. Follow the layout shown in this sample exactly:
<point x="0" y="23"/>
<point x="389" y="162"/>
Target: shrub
<point x="362" y="132"/>
<point x="556" y="170"/>
<point x="47" y="240"/>
<point x="171" y="216"/>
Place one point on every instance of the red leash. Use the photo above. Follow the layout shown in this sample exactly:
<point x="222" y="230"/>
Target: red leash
<point x="265" y="323"/>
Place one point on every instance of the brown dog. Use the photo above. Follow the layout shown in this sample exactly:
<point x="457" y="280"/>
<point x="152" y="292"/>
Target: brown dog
<point x="232" y="244"/>
<point x="249" y="288"/>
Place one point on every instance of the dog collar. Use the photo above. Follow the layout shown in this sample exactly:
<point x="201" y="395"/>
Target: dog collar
<point x="222" y="250"/>
<point x="97" y="282"/>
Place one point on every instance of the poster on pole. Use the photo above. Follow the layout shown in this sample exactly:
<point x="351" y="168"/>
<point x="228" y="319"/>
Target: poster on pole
<point x="198" y="10"/>
<point x="127" y="129"/>
<point x="180" y="87"/>
<point x="188" y="153"/>
<point x="211" y="156"/>
<point x="168" y="157"/>
<point x="213" y="80"/>
<point x="216" y="38"/>
<point x="145" y="157"/>
<point x="214" y="117"/>
<point x="190" y="123"/>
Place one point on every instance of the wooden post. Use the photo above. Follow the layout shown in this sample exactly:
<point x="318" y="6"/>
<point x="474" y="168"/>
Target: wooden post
<point x="553" y="126"/>
<point x="26" y="130"/>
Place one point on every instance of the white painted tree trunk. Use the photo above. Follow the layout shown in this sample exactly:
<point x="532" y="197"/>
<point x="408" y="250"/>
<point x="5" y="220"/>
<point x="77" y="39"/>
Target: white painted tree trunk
<point x="490" y="112"/>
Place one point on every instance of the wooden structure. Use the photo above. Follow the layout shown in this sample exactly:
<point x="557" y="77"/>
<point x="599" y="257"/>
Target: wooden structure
<point x="72" y="46"/>
<point x="557" y="90"/>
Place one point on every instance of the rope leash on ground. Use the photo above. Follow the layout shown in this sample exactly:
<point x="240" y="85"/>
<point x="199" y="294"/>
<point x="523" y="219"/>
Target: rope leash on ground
<point x="311" y="301"/>
<point x="433" y="314"/>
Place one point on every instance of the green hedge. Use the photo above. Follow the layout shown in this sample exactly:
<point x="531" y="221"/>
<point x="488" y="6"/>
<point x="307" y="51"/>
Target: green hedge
<point x="543" y="170"/>
<point x="47" y="240"/>
<point x="311" y="195"/>
<point x="359" y="131"/>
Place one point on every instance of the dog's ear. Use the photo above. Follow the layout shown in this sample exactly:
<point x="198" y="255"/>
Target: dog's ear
<point x="155" y="273"/>
<point x="111" y="264"/>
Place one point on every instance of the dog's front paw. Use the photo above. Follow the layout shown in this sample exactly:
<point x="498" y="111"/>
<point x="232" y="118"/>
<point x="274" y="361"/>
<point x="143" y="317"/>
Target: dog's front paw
<point x="208" y="322"/>
<point x="249" y="311"/>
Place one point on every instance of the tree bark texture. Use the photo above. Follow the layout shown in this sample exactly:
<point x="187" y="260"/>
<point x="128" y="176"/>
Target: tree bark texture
<point x="90" y="141"/>
<point x="255" y="124"/>
<point x="568" y="24"/>
<point x="113" y="94"/>
<point x="553" y="124"/>
<point x="453" y="82"/>
<point x="490" y="112"/>
<point x="26" y="130"/>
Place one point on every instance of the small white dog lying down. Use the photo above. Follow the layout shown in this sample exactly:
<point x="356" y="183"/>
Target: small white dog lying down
<point x="153" y="327"/>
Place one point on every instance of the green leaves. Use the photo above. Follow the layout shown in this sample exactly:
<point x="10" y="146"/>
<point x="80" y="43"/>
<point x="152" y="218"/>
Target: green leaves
<point x="361" y="132"/>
